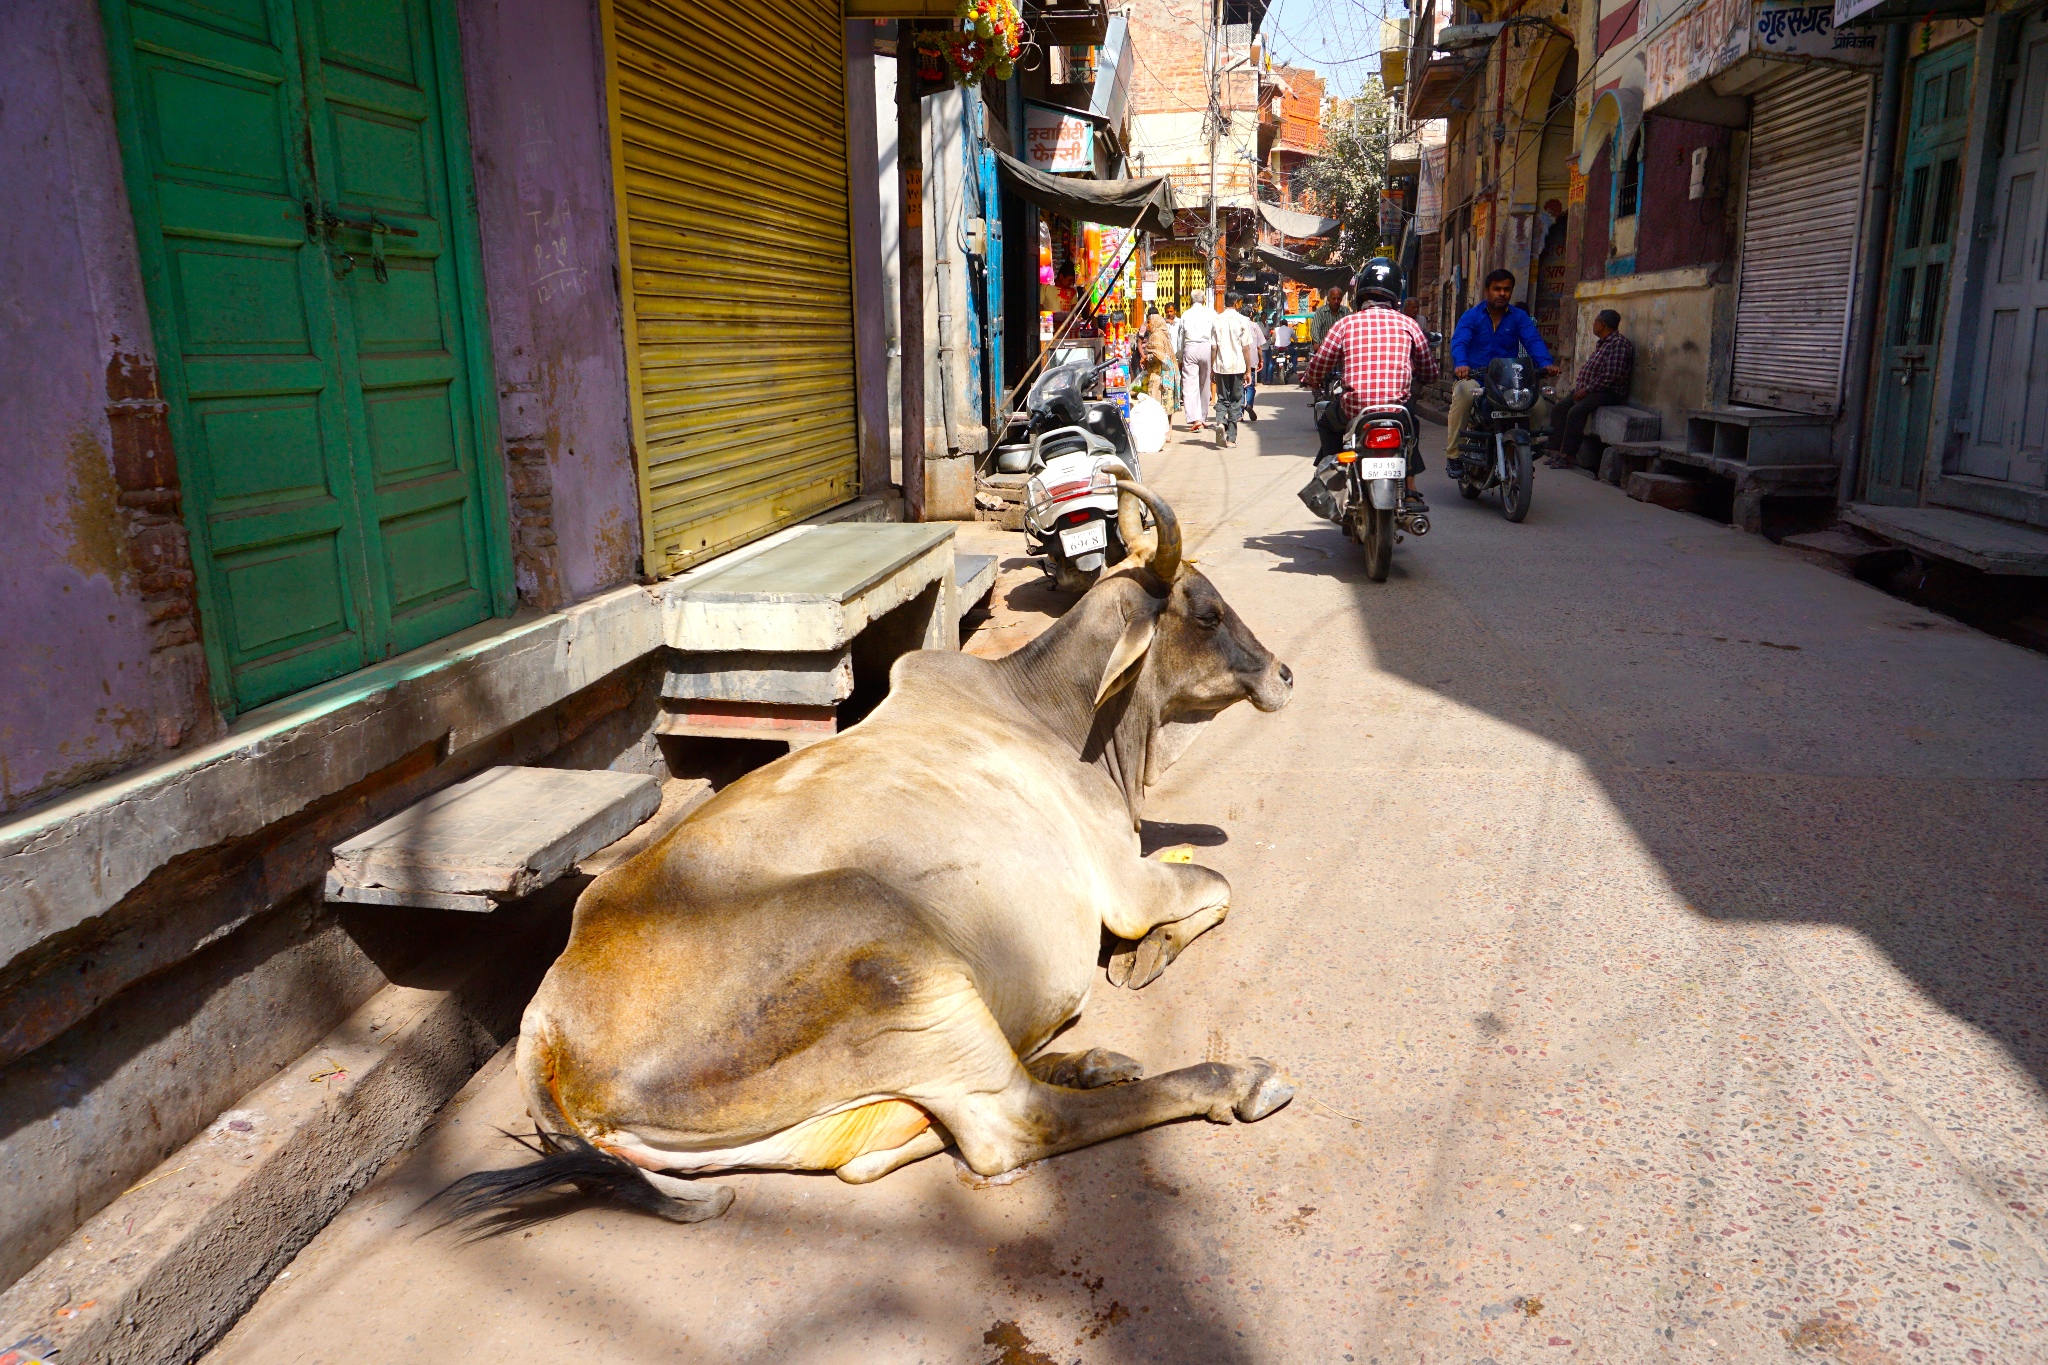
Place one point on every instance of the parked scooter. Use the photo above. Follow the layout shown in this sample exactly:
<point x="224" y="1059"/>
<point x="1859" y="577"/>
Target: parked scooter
<point x="1497" y="448"/>
<point x="1080" y="447"/>
<point x="1360" y="486"/>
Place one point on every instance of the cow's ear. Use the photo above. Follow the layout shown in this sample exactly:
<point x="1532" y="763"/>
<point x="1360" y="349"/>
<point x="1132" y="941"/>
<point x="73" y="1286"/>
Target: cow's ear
<point x="1128" y="654"/>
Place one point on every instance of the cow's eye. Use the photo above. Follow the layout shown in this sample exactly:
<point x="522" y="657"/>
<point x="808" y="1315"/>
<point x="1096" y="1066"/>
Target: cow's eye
<point x="1209" y="619"/>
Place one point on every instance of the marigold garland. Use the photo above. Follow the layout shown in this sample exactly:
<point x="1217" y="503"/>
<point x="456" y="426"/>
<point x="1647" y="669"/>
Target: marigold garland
<point x="990" y="36"/>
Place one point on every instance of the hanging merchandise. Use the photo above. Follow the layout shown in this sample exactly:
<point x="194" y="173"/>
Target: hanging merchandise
<point x="987" y="43"/>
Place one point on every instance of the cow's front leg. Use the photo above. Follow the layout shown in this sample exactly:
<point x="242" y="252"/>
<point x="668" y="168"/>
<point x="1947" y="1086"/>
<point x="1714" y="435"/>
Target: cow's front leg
<point x="1186" y="901"/>
<point x="1090" y="1070"/>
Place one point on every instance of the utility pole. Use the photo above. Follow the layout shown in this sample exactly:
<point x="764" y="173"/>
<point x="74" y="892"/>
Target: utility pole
<point x="1213" y="59"/>
<point x="910" y="266"/>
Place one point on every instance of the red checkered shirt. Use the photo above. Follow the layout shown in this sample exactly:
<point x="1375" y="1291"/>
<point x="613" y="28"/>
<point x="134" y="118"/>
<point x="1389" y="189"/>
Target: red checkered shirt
<point x="1384" y="354"/>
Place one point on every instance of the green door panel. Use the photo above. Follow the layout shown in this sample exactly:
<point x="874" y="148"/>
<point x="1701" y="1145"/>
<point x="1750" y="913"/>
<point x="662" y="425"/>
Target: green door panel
<point x="337" y="449"/>
<point x="1923" y="247"/>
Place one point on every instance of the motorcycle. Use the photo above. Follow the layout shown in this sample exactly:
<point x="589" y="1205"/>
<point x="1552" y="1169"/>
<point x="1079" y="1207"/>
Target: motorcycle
<point x="1080" y="447"/>
<point x="1360" y="485"/>
<point x="1497" y="448"/>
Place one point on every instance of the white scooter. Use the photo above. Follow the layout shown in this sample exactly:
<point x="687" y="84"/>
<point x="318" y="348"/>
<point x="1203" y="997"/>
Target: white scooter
<point x="1070" y="506"/>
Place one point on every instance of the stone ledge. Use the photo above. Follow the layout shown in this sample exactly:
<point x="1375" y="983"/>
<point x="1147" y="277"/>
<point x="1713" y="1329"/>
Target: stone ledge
<point x="156" y="1276"/>
<point x="68" y="862"/>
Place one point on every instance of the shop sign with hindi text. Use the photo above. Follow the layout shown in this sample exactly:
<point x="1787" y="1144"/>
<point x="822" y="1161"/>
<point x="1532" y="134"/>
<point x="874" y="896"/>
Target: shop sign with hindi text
<point x="1057" y="141"/>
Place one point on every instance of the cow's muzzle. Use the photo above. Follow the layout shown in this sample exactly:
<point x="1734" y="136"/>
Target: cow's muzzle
<point x="1274" y="687"/>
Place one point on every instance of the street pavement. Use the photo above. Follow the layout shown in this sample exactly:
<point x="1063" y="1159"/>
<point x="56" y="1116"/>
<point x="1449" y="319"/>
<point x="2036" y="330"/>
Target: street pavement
<point x="1651" y="921"/>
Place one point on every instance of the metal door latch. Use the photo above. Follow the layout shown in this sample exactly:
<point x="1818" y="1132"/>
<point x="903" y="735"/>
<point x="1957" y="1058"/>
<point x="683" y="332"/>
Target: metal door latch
<point x="326" y="222"/>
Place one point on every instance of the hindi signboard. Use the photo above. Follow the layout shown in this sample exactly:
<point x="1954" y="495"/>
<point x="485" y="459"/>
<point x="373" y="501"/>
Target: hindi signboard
<point x="1716" y="34"/>
<point x="1057" y="141"/>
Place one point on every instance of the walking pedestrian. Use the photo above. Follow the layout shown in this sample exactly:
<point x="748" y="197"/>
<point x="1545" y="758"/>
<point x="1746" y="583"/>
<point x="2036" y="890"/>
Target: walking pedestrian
<point x="1197" y="354"/>
<point x="1157" y="344"/>
<point x="1602" y="380"/>
<point x="1173" y="365"/>
<point x="1236" y="346"/>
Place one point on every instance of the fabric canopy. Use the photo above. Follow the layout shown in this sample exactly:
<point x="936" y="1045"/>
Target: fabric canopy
<point x="1295" y="223"/>
<point x="1305" y="271"/>
<point x="1144" y="204"/>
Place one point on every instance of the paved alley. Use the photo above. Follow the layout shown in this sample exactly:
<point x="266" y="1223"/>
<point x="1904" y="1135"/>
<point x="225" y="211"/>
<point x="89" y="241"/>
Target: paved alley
<point x="1653" y="925"/>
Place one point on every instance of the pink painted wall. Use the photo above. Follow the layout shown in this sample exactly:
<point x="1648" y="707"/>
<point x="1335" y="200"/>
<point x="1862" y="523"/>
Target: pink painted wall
<point x="89" y="682"/>
<point x="544" y="204"/>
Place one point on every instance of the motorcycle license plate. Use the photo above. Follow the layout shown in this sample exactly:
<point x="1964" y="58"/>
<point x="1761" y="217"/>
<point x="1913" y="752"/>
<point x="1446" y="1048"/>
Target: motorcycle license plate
<point x="1079" y="540"/>
<point x="1383" y="467"/>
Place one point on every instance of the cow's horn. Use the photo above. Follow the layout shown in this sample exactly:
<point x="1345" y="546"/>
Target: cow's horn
<point x="1165" y="560"/>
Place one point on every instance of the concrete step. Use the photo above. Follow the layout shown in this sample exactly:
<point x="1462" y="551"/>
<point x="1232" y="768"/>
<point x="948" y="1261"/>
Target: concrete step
<point x="156" y="1276"/>
<point x="1674" y="491"/>
<point x="976" y="577"/>
<point x="503" y="834"/>
<point x="1838" y="549"/>
<point x="1983" y="543"/>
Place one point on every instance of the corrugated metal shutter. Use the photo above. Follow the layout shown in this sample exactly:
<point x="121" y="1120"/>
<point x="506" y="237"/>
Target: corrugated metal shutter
<point x="1799" y="230"/>
<point x="729" y="162"/>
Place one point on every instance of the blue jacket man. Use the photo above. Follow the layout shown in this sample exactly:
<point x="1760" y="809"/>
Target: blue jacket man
<point x="1489" y="330"/>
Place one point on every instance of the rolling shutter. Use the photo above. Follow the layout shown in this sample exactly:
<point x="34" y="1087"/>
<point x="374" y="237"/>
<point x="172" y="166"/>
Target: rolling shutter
<point x="1799" y="230"/>
<point x="736" y="280"/>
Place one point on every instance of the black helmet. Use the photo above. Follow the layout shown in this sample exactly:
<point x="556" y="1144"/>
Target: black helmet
<point x="1379" y="278"/>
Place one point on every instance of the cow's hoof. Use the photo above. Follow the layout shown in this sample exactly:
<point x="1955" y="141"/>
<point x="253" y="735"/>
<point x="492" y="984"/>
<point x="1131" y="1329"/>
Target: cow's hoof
<point x="1269" y="1091"/>
<point x="686" y="1201"/>
<point x="1154" y="955"/>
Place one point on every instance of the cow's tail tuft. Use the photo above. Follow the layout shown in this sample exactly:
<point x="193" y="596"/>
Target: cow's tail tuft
<point x="490" y="1202"/>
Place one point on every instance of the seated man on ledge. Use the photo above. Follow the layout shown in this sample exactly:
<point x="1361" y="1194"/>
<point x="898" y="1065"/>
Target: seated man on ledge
<point x="1602" y="380"/>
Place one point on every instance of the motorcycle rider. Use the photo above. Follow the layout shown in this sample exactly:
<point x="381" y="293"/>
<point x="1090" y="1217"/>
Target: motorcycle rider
<point x="1382" y="354"/>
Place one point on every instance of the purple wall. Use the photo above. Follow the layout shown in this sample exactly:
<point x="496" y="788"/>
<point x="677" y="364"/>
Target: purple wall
<point x="101" y="668"/>
<point x="544" y="202"/>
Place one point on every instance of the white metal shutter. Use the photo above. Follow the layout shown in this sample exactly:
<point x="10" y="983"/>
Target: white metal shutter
<point x="1799" y="230"/>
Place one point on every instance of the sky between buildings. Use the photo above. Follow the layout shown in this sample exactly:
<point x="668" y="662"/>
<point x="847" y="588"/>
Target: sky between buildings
<point x="1339" y="38"/>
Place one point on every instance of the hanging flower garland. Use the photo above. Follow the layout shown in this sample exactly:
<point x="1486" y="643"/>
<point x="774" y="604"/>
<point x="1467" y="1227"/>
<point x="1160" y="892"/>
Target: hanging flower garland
<point x="990" y="36"/>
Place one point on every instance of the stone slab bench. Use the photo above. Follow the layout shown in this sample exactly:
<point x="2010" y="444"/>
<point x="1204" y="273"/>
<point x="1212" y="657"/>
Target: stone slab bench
<point x="503" y="834"/>
<point x="974" y="577"/>
<point x="763" y="644"/>
<point x="1757" y="437"/>
<point x="1619" y="424"/>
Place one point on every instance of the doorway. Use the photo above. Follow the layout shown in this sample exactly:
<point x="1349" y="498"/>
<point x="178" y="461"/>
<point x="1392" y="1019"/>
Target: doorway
<point x="299" y="175"/>
<point x="1923" y="246"/>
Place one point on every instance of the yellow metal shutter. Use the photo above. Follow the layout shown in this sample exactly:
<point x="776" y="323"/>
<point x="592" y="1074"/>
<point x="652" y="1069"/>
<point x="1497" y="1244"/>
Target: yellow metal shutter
<point x="729" y="163"/>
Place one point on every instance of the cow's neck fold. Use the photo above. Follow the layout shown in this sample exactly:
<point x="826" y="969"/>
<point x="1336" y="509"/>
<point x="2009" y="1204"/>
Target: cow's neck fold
<point x="1055" y="676"/>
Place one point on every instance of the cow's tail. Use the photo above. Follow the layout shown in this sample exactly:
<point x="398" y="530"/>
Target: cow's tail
<point x="493" y="1201"/>
<point x="500" y="1200"/>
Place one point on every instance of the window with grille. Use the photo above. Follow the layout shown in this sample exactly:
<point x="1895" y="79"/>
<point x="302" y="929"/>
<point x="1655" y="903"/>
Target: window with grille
<point x="1628" y="185"/>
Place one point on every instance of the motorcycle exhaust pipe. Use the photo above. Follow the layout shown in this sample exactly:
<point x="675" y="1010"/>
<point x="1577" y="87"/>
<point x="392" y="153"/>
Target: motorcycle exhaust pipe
<point x="1418" y="525"/>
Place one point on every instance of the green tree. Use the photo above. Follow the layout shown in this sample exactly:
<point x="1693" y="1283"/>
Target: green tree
<point x="1345" y="181"/>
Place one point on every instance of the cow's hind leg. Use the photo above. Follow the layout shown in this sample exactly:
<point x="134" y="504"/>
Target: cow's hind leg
<point x="1187" y="902"/>
<point x="875" y="1165"/>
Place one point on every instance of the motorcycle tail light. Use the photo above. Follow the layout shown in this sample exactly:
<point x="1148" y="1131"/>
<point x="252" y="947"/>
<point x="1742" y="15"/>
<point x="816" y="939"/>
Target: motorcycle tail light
<point x="1059" y="492"/>
<point x="1383" y="438"/>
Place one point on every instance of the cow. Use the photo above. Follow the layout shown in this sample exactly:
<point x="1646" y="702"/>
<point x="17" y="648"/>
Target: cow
<point x="857" y="953"/>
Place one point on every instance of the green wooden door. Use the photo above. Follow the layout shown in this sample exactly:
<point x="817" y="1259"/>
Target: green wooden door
<point x="328" y="381"/>
<point x="1923" y="247"/>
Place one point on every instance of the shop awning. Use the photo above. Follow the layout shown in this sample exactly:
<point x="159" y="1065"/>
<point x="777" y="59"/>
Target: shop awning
<point x="1295" y="223"/>
<point x="1145" y="204"/>
<point x="1304" y="271"/>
